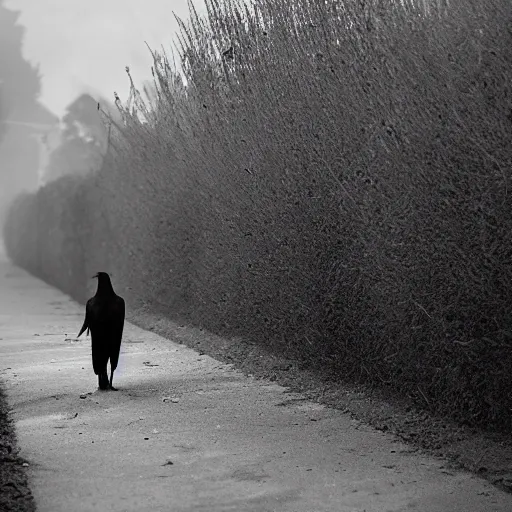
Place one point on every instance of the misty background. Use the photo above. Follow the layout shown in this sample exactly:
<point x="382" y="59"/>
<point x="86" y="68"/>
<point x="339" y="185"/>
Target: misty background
<point x="58" y="58"/>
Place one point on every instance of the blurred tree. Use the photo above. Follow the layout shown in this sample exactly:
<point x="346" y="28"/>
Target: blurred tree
<point x="21" y="82"/>
<point x="22" y="118"/>
<point x="83" y="140"/>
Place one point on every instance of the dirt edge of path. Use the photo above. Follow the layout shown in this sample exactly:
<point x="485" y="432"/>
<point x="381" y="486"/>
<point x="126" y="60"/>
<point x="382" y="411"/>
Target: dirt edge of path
<point x="15" y="495"/>
<point x="489" y="455"/>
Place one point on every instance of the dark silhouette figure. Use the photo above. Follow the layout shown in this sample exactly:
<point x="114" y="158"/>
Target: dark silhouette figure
<point x="104" y="318"/>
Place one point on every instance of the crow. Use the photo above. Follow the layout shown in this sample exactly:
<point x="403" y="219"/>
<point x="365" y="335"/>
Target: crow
<point x="104" y="318"/>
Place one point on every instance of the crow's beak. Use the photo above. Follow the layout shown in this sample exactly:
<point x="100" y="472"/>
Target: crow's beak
<point x="95" y="276"/>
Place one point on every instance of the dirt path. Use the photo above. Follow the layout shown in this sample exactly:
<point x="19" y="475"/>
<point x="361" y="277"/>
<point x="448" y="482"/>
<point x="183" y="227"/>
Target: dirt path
<point x="187" y="433"/>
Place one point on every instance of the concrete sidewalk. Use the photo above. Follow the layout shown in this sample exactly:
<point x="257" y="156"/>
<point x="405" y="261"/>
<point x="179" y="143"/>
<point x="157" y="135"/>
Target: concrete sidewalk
<point x="187" y="433"/>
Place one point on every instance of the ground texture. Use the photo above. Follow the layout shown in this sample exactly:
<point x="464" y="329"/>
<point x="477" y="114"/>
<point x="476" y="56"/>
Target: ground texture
<point x="15" y="495"/>
<point x="186" y="432"/>
<point x="487" y="454"/>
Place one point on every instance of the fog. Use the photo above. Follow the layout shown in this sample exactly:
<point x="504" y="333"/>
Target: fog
<point x="52" y="52"/>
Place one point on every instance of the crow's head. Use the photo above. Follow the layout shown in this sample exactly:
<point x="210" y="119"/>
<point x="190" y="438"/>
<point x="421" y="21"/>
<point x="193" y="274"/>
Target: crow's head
<point x="104" y="283"/>
<point x="103" y="279"/>
<point x="100" y="275"/>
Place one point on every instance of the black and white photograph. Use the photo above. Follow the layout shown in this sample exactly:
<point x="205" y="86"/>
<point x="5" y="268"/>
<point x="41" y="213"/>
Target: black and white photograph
<point x="255" y="255"/>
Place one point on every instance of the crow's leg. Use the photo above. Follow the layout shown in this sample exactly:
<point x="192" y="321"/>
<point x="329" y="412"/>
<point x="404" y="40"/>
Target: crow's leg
<point x="111" y="377"/>
<point x="103" y="380"/>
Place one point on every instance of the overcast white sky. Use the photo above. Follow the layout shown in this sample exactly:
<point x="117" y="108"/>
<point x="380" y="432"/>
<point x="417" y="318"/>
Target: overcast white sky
<point x="84" y="45"/>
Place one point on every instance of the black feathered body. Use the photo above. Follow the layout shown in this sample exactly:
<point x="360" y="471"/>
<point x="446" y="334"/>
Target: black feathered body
<point x="106" y="322"/>
<point x="104" y="318"/>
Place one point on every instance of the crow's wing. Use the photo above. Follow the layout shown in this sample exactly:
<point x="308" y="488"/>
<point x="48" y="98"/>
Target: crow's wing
<point x="88" y="307"/>
<point x="98" y="312"/>
<point x="118" y="315"/>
